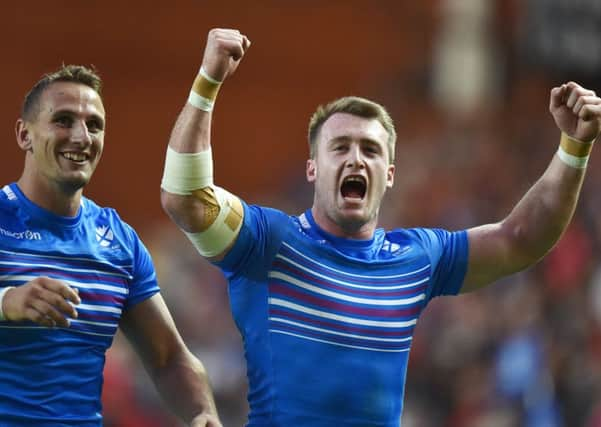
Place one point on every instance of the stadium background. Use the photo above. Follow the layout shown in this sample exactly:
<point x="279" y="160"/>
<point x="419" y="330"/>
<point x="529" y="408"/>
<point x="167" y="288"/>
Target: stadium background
<point x="467" y="83"/>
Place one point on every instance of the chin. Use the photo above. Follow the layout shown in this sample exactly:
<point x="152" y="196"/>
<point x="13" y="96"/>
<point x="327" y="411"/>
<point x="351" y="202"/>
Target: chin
<point x="74" y="184"/>
<point x="352" y="220"/>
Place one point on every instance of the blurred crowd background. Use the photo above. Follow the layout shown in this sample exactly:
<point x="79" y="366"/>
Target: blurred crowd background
<point x="467" y="83"/>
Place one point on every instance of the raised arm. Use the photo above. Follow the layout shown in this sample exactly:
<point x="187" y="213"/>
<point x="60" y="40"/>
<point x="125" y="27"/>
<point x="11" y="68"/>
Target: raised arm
<point x="542" y="215"/>
<point x="210" y="216"/>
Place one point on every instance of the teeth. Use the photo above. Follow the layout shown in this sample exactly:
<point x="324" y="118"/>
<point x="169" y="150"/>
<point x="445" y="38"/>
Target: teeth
<point x="354" y="179"/>
<point x="77" y="157"/>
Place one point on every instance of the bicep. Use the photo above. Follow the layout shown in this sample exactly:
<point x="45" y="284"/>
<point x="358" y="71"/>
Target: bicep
<point x="492" y="255"/>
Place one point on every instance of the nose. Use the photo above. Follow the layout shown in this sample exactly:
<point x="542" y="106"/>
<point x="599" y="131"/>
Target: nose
<point x="80" y="134"/>
<point x="355" y="159"/>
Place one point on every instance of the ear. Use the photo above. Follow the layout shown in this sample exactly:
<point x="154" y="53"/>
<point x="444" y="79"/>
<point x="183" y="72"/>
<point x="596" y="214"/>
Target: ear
<point x="311" y="170"/>
<point x="390" y="176"/>
<point x="23" y="135"/>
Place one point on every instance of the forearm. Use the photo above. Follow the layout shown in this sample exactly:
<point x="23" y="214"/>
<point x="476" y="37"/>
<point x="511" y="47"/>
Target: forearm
<point x="189" y="165"/>
<point x="183" y="384"/>
<point x="192" y="131"/>
<point x="542" y="215"/>
<point x="179" y="377"/>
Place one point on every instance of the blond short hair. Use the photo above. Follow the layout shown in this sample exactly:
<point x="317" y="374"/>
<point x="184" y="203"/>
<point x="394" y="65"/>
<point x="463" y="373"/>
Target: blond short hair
<point x="356" y="106"/>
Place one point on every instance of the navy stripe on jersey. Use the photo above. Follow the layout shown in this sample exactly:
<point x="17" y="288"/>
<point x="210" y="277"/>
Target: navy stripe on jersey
<point x="311" y="300"/>
<point x="103" y="288"/>
<point x="295" y="257"/>
<point x="18" y="258"/>
<point x="334" y="326"/>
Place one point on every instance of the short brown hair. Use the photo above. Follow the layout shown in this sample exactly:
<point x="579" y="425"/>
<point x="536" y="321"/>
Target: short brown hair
<point x="67" y="73"/>
<point x="358" y="107"/>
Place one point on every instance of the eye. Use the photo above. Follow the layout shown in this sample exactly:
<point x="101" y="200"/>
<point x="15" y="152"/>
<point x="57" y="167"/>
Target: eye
<point x="371" y="150"/>
<point x="63" y="121"/>
<point x="95" y="126"/>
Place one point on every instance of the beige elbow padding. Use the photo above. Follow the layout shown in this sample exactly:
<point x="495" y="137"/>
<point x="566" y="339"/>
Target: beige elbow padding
<point x="224" y="213"/>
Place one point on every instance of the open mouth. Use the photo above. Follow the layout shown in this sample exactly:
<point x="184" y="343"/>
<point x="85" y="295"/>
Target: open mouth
<point x="353" y="187"/>
<point x="75" y="157"/>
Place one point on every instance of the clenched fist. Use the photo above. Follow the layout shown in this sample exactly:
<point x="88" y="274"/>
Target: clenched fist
<point x="576" y="110"/>
<point x="223" y="52"/>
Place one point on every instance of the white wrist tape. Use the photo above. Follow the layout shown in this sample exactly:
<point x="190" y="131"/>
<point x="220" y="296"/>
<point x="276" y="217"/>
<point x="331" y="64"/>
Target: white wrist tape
<point x="2" y="293"/>
<point x="224" y="230"/>
<point x="186" y="172"/>
<point x="204" y="73"/>
<point x="200" y="102"/>
<point x="572" y="161"/>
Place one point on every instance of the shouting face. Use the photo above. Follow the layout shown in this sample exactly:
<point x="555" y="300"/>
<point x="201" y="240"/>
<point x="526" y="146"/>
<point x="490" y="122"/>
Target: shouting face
<point x="351" y="171"/>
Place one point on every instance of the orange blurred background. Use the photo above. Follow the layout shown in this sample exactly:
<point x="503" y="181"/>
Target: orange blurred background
<point x="303" y="53"/>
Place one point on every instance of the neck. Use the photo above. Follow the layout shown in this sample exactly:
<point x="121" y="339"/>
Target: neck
<point x="350" y="230"/>
<point x="51" y="196"/>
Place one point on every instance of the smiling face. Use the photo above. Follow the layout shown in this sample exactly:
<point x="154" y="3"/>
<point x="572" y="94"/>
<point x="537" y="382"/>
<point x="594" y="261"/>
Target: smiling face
<point x="351" y="170"/>
<point x="63" y="141"/>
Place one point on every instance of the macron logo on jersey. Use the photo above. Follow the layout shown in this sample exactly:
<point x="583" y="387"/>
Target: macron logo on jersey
<point x="104" y="236"/>
<point x="21" y="235"/>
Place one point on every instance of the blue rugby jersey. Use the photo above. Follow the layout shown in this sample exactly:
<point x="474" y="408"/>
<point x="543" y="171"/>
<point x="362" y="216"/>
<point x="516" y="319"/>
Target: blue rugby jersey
<point x="53" y="376"/>
<point x="327" y="322"/>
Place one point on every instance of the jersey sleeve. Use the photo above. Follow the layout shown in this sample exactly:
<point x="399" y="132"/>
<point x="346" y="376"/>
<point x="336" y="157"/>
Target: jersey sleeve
<point x="143" y="283"/>
<point x="256" y="244"/>
<point x="448" y="252"/>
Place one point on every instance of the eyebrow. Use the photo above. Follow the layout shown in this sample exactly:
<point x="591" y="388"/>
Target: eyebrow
<point x="70" y="112"/>
<point x="346" y="138"/>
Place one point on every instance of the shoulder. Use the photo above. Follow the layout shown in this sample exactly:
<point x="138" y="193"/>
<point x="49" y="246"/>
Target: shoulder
<point x="264" y="211"/>
<point x="406" y="235"/>
<point x="7" y="197"/>
<point x="91" y="210"/>
<point x="267" y="216"/>
<point x="106" y="217"/>
<point x="427" y="238"/>
<point x="9" y="205"/>
<point x="419" y="233"/>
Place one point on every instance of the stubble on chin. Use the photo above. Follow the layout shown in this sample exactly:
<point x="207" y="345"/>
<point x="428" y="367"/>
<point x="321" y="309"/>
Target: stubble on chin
<point x="352" y="224"/>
